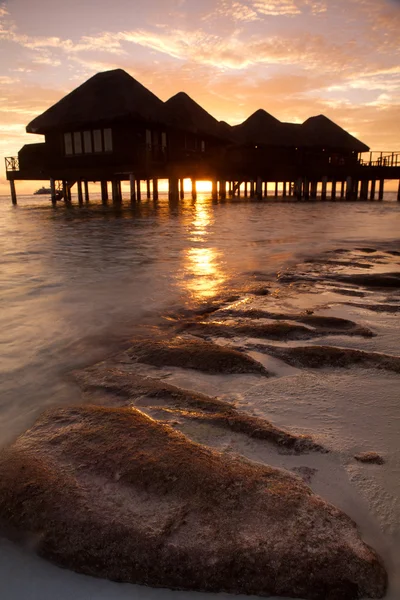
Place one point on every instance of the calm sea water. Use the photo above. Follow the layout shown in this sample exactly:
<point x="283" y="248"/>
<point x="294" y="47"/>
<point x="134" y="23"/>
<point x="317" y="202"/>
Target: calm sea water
<point x="74" y="281"/>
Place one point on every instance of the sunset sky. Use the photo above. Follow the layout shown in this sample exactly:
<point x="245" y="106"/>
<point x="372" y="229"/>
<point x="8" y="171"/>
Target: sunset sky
<point x="295" y="58"/>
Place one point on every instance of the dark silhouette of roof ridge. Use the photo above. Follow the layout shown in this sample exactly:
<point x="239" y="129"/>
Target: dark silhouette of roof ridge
<point x="190" y="115"/>
<point x="107" y="96"/>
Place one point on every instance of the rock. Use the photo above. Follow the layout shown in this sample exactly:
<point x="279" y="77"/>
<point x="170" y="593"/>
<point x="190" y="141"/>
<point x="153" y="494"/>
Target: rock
<point x="196" y="354"/>
<point x="127" y="389"/>
<point x="372" y="458"/>
<point x="306" y="473"/>
<point x="316" y="357"/>
<point x="114" y="494"/>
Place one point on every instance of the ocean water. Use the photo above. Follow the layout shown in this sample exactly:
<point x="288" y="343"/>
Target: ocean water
<point x="76" y="282"/>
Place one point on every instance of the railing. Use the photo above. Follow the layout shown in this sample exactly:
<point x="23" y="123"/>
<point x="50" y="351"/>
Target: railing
<point x="380" y="159"/>
<point x="12" y="163"/>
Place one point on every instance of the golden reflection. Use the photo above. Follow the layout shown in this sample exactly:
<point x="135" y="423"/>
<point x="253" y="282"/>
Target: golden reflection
<point x="202" y="275"/>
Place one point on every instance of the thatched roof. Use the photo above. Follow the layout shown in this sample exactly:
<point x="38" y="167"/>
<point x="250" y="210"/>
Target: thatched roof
<point x="107" y="96"/>
<point x="322" y="132"/>
<point x="259" y="128"/>
<point x="190" y="116"/>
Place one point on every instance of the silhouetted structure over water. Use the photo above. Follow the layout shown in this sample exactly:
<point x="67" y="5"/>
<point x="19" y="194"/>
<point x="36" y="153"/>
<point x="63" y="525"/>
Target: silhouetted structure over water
<point x="112" y="128"/>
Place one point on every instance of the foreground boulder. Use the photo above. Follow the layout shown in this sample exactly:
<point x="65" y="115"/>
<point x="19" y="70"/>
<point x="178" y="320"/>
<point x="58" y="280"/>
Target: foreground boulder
<point x="111" y="493"/>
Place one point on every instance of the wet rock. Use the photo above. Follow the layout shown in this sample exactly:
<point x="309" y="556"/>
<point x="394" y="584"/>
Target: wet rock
<point x="388" y="308"/>
<point x="136" y="390"/>
<point x="316" y="357"/>
<point x="367" y="250"/>
<point x="346" y="292"/>
<point x="114" y="494"/>
<point x="370" y="457"/>
<point x="263" y="291"/>
<point x="371" y="280"/>
<point x="193" y="354"/>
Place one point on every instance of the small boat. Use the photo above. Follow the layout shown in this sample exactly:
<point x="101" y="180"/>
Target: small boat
<point x="42" y="190"/>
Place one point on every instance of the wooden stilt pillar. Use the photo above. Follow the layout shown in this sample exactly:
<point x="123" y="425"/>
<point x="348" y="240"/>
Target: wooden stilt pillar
<point x="259" y="188"/>
<point x="13" y="192"/>
<point x="246" y="191"/>
<point x="349" y="188"/>
<point x="138" y="191"/>
<point x="222" y="189"/>
<point x="252" y="189"/>
<point x="194" y="189"/>
<point x="333" y="193"/>
<point x="115" y="191"/>
<point x="155" y="189"/>
<point x="355" y="189"/>
<point x="104" y="192"/>
<point x="306" y="189"/>
<point x="298" y="188"/>
<point x="284" y="190"/>
<point x="230" y="189"/>
<point x="265" y="189"/>
<point x="364" y="190"/>
<point x="86" y="185"/>
<point x="290" y="190"/>
<point x="80" y="195"/>
<point x="148" y="190"/>
<point x="342" y="190"/>
<point x="324" y="186"/>
<point x="173" y="189"/>
<point x="276" y="189"/>
<point x="381" y="189"/>
<point x="181" y="190"/>
<point x="132" y="187"/>
<point x="313" y="191"/>
<point x="214" y="191"/>
<point x="53" y="190"/>
<point x="373" y="188"/>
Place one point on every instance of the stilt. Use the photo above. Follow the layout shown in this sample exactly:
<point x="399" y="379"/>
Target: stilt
<point x="80" y="195"/>
<point x="333" y="192"/>
<point x="298" y="188"/>
<point x="65" y="191"/>
<point x="259" y="188"/>
<point x="342" y="190"/>
<point x="265" y="190"/>
<point x="306" y="189"/>
<point x="53" y="190"/>
<point x="194" y="189"/>
<point x="181" y="190"/>
<point x="364" y="190"/>
<point x="324" y="186"/>
<point x="398" y="193"/>
<point x="252" y="189"/>
<point x="381" y="189"/>
<point x="104" y="192"/>
<point x="373" y="188"/>
<point x="290" y="190"/>
<point x="284" y="192"/>
<point x="355" y="190"/>
<point x="349" y="188"/>
<point x="246" y="191"/>
<point x="148" y="191"/>
<point x="86" y="184"/>
<point x="138" y="190"/>
<point x="230" y="192"/>
<point x="222" y="189"/>
<point x="13" y="192"/>
<point x="115" y="192"/>
<point x="173" y="189"/>
<point x="214" y="191"/>
<point x="155" y="189"/>
<point x="276" y="189"/>
<point x="313" y="190"/>
<point x="132" y="187"/>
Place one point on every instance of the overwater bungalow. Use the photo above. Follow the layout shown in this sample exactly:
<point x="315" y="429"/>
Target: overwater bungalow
<point x="112" y="128"/>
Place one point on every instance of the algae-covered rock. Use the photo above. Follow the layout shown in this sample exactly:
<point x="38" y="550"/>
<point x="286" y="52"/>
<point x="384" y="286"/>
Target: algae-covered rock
<point x="114" y="494"/>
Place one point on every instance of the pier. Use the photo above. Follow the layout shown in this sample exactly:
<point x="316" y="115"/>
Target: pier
<point x="96" y="135"/>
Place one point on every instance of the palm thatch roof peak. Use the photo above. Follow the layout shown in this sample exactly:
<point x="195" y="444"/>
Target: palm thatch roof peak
<point x="259" y="128"/>
<point x="321" y="131"/>
<point x="105" y="97"/>
<point x="189" y="115"/>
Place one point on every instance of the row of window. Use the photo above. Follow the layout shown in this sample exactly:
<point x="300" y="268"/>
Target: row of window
<point x="87" y="142"/>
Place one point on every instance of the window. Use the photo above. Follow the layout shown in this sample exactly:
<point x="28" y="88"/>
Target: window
<point x="77" y="142"/>
<point x="68" y="143"/>
<point x="148" y="138"/>
<point x="108" y="146"/>
<point x="98" y="141"/>
<point x="87" y="142"/>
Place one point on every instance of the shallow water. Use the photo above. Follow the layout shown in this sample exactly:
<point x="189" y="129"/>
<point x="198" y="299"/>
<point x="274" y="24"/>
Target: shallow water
<point x="75" y="282"/>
